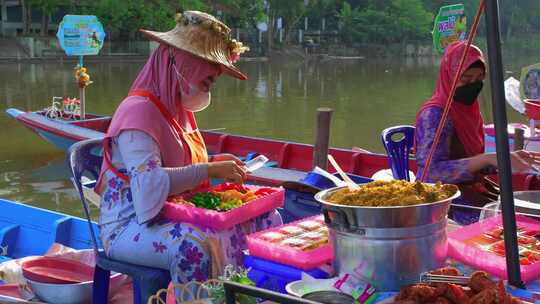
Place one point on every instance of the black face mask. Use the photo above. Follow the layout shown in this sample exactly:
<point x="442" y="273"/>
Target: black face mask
<point x="468" y="93"/>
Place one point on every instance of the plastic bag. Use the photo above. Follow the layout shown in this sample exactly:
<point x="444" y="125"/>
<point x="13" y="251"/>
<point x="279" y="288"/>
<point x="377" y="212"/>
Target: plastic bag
<point x="11" y="271"/>
<point x="387" y="175"/>
<point x="362" y="292"/>
<point x="513" y="95"/>
<point x="490" y="210"/>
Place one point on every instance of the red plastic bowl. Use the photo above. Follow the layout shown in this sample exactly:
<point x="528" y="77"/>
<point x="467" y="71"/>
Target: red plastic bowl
<point x="57" y="271"/>
<point x="532" y="108"/>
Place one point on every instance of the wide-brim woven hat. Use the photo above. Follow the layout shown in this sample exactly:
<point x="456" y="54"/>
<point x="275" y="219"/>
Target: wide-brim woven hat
<point x="204" y="36"/>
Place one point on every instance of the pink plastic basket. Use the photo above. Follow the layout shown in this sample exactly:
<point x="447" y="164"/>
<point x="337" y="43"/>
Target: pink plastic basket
<point x="223" y="220"/>
<point x="485" y="260"/>
<point x="305" y="260"/>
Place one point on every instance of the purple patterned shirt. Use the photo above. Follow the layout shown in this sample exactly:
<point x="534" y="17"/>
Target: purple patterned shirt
<point x="442" y="168"/>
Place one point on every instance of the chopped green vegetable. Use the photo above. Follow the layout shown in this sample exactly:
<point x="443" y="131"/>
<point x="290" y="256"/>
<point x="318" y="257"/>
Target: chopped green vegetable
<point x="207" y="200"/>
<point x="213" y="201"/>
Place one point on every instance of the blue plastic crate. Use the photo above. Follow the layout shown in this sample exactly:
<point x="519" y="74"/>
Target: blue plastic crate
<point x="275" y="276"/>
<point x="300" y="204"/>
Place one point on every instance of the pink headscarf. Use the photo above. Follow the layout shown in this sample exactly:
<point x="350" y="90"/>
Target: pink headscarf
<point x="467" y="120"/>
<point x="158" y="77"/>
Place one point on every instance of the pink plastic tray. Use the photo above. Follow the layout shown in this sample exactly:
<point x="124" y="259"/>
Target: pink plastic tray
<point x="485" y="260"/>
<point x="307" y="259"/>
<point x="223" y="220"/>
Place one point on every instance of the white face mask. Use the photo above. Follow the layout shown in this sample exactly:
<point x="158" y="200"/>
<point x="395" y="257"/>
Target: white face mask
<point x="194" y="100"/>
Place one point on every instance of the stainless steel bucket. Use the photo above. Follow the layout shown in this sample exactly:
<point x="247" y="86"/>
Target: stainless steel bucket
<point x="532" y="202"/>
<point x="387" y="246"/>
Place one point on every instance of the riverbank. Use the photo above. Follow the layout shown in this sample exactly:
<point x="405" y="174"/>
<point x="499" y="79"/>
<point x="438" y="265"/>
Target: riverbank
<point x="38" y="49"/>
<point x="46" y="49"/>
<point x="100" y="58"/>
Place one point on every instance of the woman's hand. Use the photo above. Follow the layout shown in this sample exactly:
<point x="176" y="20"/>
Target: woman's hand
<point x="523" y="161"/>
<point x="227" y="156"/>
<point x="228" y="170"/>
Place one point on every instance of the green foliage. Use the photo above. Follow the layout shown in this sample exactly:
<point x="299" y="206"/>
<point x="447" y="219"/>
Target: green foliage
<point x="366" y="21"/>
<point x="384" y="21"/>
<point x="47" y="7"/>
<point x="244" y="13"/>
<point x="124" y="18"/>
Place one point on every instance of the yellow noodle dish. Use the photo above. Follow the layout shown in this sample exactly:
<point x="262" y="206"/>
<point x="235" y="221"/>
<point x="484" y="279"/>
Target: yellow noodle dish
<point x="392" y="193"/>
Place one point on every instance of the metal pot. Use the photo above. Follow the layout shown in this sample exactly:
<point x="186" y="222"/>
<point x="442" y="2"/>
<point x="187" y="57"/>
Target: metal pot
<point x="387" y="246"/>
<point x="531" y="204"/>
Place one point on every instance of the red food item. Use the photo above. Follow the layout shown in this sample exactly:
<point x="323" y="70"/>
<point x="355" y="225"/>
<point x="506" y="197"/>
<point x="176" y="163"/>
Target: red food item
<point x="230" y="186"/>
<point x="441" y="300"/>
<point x="480" y="281"/>
<point x="531" y="256"/>
<point x="487" y="296"/>
<point x="482" y="239"/>
<point x="456" y="294"/>
<point x="531" y="232"/>
<point x="526" y="240"/>
<point x="420" y="293"/>
<point x="265" y="191"/>
<point x="498" y="248"/>
<point x="482" y="291"/>
<point x="496" y="233"/>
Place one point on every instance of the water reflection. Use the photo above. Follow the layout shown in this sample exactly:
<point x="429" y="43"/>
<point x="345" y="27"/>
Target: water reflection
<point x="279" y="100"/>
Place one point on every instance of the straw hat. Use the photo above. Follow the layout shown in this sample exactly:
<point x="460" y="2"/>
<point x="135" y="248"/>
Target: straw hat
<point x="204" y="36"/>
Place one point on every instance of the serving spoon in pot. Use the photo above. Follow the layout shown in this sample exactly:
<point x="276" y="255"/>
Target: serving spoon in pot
<point x="350" y="184"/>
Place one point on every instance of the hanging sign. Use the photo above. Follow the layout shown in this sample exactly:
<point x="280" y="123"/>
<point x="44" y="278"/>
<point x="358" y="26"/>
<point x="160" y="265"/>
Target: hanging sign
<point x="530" y="82"/>
<point x="450" y="25"/>
<point x="80" y="35"/>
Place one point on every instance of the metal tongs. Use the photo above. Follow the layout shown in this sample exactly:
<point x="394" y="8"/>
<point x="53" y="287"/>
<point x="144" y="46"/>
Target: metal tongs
<point x="427" y="277"/>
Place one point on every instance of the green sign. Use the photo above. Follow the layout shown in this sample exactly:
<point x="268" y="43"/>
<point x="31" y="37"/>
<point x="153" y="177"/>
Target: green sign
<point x="450" y="26"/>
<point x="530" y="82"/>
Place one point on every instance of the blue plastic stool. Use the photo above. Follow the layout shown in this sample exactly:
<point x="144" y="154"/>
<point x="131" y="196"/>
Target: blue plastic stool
<point x="83" y="157"/>
<point x="398" y="149"/>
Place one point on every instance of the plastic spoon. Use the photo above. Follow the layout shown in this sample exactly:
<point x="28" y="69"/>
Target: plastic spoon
<point x="352" y="185"/>
<point x="330" y="176"/>
<point x="256" y="163"/>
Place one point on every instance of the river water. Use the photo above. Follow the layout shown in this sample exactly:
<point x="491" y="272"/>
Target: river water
<point x="278" y="101"/>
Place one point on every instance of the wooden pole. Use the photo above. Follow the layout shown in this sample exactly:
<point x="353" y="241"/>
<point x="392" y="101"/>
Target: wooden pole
<point x="496" y="75"/>
<point x="82" y="94"/>
<point x="322" y="138"/>
<point x="519" y="139"/>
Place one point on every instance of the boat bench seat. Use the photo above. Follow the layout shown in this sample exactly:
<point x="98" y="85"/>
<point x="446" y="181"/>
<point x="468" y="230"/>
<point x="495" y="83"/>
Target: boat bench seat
<point x="275" y="176"/>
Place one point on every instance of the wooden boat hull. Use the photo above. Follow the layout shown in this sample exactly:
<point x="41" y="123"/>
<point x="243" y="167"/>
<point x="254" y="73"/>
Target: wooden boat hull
<point x="291" y="160"/>
<point x="61" y="134"/>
